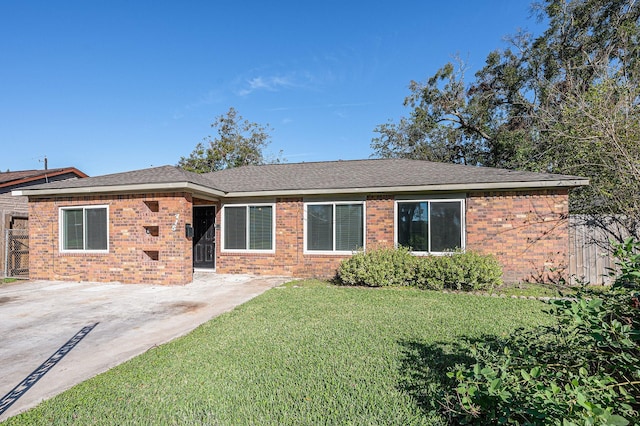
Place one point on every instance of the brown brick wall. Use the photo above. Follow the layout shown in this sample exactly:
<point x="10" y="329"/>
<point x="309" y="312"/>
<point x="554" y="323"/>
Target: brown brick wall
<point x="131" y="249"/>
<point x="380" y="216"/>
<point x="526" y="230"/>
<point x="289" y="258"/>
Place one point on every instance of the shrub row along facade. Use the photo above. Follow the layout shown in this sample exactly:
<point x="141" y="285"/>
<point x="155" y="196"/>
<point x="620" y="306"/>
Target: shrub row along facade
<point x="157" y="225"/>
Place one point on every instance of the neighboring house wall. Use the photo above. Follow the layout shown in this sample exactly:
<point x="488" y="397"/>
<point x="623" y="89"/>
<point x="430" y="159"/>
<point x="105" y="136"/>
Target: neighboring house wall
<point x="526" y="230"/>
<point x="132" y="250"/>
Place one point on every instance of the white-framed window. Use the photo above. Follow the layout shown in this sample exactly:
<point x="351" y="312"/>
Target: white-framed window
<point x="334" y="227"/>
<point x="84" y="229"/>
<point x="430" y="225"/>
<point x="248" y="227"/>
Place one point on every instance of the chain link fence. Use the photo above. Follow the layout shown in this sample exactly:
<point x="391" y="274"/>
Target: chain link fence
<point x="17" y="253"/>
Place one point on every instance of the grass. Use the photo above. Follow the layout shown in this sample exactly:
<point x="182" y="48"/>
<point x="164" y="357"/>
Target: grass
<point x="543" y="290"/>
<point x="305" y="353"/>
<point x="8" y="280"/>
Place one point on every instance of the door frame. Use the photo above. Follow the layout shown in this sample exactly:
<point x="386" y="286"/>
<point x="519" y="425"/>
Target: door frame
<point x="215" y="245"/>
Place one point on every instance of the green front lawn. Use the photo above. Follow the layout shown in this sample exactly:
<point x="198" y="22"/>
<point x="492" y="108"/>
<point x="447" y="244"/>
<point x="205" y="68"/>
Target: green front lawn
<point x="306" y="353"/>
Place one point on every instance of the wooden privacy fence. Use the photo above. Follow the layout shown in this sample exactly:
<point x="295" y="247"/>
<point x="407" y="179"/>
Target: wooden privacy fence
<point x="590" y="257"/>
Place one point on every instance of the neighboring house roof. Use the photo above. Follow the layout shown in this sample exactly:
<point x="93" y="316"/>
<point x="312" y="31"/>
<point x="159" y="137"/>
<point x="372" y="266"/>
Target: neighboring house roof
<point x="23" y="178"/>
<point x="354" y="176"/>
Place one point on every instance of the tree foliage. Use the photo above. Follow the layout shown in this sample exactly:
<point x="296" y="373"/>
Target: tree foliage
<point x="564" y="102"/>
<point x="239" y="143"/>
<point x="583" y="369"/>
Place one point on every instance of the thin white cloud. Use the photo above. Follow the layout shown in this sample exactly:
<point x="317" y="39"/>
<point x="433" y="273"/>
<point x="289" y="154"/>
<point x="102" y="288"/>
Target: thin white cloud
<point x="269" y="83"/>
<point x="210" y="98"/>
<point x="321" y="106"/>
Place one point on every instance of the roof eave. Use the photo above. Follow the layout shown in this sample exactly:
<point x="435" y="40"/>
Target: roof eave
<point x="205" y="191"/>
<point x="197" y="189"/>
<point x="458" y="187"/>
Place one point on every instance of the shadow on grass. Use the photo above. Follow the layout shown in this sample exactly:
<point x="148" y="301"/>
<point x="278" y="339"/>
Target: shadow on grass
<point x="423" y="373"/>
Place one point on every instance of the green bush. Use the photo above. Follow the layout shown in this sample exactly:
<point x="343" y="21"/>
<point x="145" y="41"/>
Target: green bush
<point x="378" y="268"/>
<point x="466" y="271"/>
<point x="389" y="266"/>
<point x="583" y="369"/>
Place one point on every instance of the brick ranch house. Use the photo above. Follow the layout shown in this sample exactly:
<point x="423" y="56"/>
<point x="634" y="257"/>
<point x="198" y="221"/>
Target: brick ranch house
<point x="157" y="225"/>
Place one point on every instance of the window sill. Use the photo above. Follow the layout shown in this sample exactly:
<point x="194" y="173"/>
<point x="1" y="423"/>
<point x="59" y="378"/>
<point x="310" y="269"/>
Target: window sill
<point x="81" y="252"/>
<point x="329" y="253"/>
<point x="252" y="252"/>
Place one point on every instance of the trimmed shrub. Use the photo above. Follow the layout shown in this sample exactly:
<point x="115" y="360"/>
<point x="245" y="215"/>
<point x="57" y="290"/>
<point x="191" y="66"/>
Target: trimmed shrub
<point x="378" y="268"/>
<point x="389" y="266"/>
<point x="467" y="271"/>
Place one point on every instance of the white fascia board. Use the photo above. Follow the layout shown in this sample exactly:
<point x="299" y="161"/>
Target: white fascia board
<point x="458" y="187"/>
<point x="217" y="194"/>
<point x="133" y="188"/>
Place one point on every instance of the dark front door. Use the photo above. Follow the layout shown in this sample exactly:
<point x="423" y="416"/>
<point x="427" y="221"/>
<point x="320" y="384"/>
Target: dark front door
<point x="204" y="237"/>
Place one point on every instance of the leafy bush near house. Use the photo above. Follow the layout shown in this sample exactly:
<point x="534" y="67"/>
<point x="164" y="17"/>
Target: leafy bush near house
<point x="466" y="271"/>
<point x="582" y="369"/>
<point x="378" y="268"/>
<point x="628" y="263"/>
<point x="391" y="266"/>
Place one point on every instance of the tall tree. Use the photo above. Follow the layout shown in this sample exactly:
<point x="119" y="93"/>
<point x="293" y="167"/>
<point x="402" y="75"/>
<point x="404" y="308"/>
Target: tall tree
<point x="239" y="143"/>
<point x="564" y="102"/>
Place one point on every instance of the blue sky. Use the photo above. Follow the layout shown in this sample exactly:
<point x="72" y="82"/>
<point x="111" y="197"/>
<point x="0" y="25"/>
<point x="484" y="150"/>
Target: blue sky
<point x="111" y="86"/>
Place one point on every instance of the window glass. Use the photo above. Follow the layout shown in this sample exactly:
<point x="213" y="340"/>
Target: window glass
<point x="349" y="227"/>
<point x="96" y="232"/>
<point x="413" y="225"/>
<point x="319" y="227"/>
<point x="73" y="230"/>
<point x="335" y="227"/>
<point x="429" y="226"/>
<point x="84" y="228"/>
<point x="248" y="227"/>
<point x="260" y="227"/>
<point x="235" y="227"/>
<point x="446" y="229"/>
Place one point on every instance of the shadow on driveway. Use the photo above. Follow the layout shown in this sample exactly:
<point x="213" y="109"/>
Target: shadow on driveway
<point x="38" y="317"/>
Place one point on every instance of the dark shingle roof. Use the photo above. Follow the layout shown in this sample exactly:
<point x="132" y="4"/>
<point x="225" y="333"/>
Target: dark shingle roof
<point x="380" y="173"/>
<point x="339" y="176"/>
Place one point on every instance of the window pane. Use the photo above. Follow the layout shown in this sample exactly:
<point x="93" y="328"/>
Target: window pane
<point x="349" y="227"/>
<point x="96" y="229"/>
<point x="72" y="229"/>
<point x="413" y="225"/>
<point x="320" y="227"/>
<point x="235" y="227"/>
<point x="446" y="229"/>
<point x="260" y="228"/>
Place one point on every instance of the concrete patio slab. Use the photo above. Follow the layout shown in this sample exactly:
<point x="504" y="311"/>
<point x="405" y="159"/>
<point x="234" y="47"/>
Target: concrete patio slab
<point x="38" y="317"/>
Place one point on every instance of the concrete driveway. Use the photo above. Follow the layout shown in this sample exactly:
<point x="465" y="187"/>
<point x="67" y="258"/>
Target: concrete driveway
<point x="38" y="317"/>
